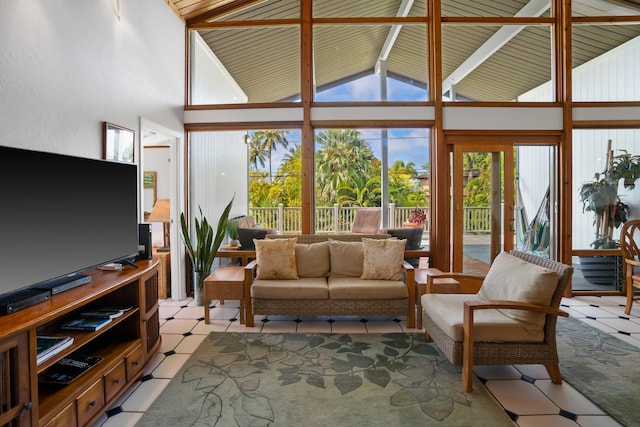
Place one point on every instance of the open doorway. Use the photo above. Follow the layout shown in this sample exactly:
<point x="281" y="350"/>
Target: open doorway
<point x="161" y="177"/>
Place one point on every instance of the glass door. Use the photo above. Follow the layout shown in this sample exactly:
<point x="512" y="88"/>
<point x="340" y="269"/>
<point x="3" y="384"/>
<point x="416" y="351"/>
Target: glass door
<point x="502" y="199"/>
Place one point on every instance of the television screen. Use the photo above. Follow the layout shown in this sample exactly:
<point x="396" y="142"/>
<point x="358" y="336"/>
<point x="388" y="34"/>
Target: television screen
<point x="61" y="215"/>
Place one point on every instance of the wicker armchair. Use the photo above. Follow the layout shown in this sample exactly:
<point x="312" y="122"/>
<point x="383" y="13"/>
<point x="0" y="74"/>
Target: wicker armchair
<point x="493" y="338"/>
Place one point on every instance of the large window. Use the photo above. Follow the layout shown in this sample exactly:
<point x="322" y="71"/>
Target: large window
<point x="389" y="63"/>
<point x="590" y="157"/>
<point x="370" y="168"/>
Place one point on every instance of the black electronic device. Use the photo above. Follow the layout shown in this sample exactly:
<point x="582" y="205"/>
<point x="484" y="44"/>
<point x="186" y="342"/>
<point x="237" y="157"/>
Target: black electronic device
<point x="13" y="301"/>
<point x="144" y="242"/>
<point x="62" y="215"/>
<point x="63" y="284"/>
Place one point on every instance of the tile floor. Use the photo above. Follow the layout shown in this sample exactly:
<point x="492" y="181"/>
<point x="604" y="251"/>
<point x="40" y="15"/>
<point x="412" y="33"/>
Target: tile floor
<point x="540" y="403"/>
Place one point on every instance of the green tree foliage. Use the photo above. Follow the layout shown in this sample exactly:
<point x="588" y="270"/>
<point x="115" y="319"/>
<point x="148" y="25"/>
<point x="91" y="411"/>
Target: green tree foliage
<point x="477" y="191"/>
<point x="403" y="189"/>
<point x="266" y="141"/>
<point x="288" y="186"/>
<point x="347" y="173"/>
<point x="343" y="156"/>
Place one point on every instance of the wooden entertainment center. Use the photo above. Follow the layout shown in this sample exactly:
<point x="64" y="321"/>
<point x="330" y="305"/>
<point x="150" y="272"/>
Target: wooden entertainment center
<point x="125" y="345"/>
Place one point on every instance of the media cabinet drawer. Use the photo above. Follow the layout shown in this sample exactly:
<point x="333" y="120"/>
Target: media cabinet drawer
<point x="114" y="380"/>
<point x="66" y="418"/>
<point x="134" y="361"/>
<point x="90" y="402"/>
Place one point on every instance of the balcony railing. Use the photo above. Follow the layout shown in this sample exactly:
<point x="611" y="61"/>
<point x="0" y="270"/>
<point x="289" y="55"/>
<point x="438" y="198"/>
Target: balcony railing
<point x="336" y="219"/>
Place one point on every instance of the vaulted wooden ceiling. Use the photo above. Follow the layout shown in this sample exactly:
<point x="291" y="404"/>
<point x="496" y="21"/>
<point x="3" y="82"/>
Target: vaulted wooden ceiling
<point x="517" y="63"/>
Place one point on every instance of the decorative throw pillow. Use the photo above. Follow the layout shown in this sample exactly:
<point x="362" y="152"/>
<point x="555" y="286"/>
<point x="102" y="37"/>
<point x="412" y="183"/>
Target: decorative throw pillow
<point x="346" y="258"/>
<point x="382" y="259"/>
<point x="276" y="259"/>
<point x="313" y="259"/>
<point x="514" y="279"/>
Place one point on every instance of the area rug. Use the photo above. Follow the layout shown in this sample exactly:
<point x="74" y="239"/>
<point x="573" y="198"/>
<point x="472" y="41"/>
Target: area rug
<point x="602" y="367"/>
<point x="251" y="379"/>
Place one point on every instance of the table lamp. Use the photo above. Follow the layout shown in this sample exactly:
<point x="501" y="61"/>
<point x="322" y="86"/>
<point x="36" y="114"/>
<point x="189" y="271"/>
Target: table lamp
<point x="160" y="213"/>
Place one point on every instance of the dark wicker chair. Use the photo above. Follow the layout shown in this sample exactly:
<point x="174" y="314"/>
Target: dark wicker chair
<point x="468" y="352"/>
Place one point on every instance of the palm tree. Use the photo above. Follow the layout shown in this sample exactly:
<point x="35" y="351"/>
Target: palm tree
<point x="288" y="187"/>
<point x="268" y="141"/>
<point x="361" y="193"/>
<point x="342" y="156"/>
<point x="257" y="154"/>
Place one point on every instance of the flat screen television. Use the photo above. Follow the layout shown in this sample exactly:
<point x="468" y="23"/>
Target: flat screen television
<point x="61" y="215"/>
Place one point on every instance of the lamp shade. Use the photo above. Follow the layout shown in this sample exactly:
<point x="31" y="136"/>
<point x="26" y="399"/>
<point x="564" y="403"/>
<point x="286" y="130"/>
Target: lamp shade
<point x="160" y="212"/>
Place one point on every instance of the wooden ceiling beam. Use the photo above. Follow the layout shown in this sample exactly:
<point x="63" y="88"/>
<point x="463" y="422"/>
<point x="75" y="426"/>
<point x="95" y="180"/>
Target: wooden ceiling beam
<point x="221" y="8"/>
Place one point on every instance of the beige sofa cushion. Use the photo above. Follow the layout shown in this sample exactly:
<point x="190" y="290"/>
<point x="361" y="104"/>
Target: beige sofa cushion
<point x="446" y="311"/>
<point x="354" y="288"/>
<point x="276" y="259"/>
<point x="312" y="260"/>
<point x="346" y="258"/>
<point x="308" y="288"/>
<point x="382" y="259"/>
<point x="514" y="279"/>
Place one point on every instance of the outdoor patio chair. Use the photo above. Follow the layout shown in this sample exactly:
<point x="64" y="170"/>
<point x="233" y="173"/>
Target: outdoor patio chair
<point x="367" y="221"/>
<point x="631" y="255"/>
<point x="510" y="320"/>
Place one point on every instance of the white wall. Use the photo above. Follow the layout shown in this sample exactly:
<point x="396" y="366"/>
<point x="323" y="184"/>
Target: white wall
<point x="218" y="161"/>
<point x="68" y="65"/>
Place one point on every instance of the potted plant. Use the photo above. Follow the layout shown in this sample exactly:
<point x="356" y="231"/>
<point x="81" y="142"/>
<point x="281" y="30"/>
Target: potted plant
<point x="416" y="218"/>
<point x="203" y="251"/>
<point x="232" y="231"/>
<point x="601" y="197"/>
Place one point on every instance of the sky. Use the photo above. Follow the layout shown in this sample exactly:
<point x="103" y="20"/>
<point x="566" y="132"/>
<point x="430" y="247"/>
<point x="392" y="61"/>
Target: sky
<point x="408" y="145"/>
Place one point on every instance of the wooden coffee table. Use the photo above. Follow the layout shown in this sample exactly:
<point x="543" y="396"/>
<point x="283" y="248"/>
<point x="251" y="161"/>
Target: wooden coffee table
<point x="440" y="286"/>
<point x="224" y="283"/>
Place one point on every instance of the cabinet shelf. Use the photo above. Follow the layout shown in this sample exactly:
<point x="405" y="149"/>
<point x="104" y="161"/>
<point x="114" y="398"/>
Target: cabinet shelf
<point x="80" y="338"/>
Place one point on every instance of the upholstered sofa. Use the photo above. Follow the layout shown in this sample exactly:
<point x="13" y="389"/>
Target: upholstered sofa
<point x="342" y="274"/>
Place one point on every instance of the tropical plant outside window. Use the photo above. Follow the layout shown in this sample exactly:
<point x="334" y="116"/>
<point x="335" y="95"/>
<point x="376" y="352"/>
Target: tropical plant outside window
<point x="349" y="168"/>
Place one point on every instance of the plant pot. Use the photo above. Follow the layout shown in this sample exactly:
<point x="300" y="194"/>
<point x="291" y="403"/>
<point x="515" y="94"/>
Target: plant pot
<point x="602" y="270"/>
<point x="413" y="224"/>
<point x="198" y="288"/>
<point x="234" y="242"/>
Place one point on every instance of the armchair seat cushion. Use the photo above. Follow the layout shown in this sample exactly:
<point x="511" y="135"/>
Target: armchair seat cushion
<point x="491" y="325"/>
<point x="303" y="288"/>
<point x="354" y="288"/>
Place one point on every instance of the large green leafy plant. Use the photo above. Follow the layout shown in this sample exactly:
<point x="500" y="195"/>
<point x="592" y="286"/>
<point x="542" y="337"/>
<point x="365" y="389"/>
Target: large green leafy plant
<point x="203" y="252"/>
<point x="601" y="197"/>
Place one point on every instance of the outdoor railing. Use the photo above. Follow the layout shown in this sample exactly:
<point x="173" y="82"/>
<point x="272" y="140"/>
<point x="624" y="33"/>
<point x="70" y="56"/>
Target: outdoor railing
<point x="336" y="219"/>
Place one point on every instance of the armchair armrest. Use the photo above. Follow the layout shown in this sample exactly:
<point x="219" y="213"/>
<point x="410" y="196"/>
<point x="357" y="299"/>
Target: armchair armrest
<point x="249" y="274"/>
<point x="629" y="265"/>
<point x="469" y="283"/>
<point x="409" y="278"/>
<point x="632" y="262"/>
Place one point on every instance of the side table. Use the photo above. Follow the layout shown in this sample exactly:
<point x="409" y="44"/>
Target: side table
<point x="224" y="283"/>
<point x="440" y="286"/>
<point x="164" y="272"/>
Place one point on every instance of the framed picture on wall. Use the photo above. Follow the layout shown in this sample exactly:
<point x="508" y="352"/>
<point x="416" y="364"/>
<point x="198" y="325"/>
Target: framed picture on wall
<point x="118" y="143"/>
